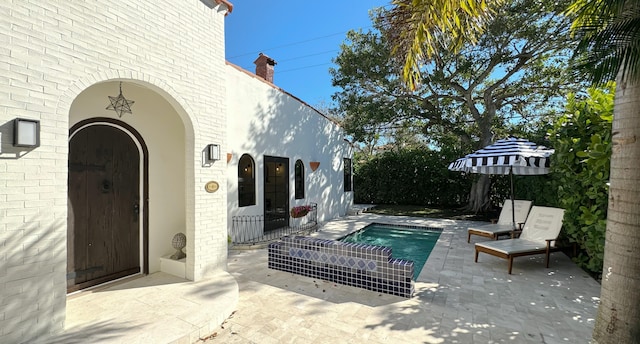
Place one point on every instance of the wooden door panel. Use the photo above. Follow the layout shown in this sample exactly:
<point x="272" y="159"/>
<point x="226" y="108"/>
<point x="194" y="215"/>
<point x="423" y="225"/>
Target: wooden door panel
<point x="125" y="189"/>
<point x="77" y="239"/>
<point x="104" y="185"/>
<point x="99" y="217"/>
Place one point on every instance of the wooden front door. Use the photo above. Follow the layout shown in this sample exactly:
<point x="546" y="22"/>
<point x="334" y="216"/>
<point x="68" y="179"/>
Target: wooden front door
<point x="103" y="241"/>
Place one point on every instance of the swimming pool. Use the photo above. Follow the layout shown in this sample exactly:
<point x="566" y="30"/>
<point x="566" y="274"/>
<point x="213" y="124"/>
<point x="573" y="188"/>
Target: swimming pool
<point x="406" y="242"/>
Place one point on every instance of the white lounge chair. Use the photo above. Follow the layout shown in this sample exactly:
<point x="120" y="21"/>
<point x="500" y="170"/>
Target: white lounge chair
<point x="505" y="221"/>
<point x="538" y="236"/>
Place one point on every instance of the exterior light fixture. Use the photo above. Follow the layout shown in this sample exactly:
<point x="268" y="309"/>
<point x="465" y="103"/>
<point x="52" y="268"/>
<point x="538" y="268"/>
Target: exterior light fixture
<point x="120" y="104"/>
<point x="212" y="152"/>
<point x="26" y="133"/>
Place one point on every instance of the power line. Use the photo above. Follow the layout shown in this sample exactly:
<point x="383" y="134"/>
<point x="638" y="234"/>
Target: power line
<point x="296" y="43"/>
<point x="305" y="56"/>
<point x="288" y="44"/>
<point x="305" y="41"/>
<point x="305" y="67"/>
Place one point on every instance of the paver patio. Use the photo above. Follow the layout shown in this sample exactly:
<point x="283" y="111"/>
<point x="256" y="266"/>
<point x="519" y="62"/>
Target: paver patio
<point x="456" y="300"/>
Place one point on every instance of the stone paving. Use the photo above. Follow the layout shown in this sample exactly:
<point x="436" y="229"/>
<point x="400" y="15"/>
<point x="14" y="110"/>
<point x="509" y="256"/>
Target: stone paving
<point x="157" y="308"/>
<point x="456" y="300"/>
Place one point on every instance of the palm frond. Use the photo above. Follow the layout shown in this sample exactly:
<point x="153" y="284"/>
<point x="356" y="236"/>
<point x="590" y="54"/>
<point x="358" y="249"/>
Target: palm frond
<point x="609" y="39"/>
<point x="418" y="29"/>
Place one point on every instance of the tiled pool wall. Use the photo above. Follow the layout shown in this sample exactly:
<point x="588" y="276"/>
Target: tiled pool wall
<point x="363" y="266"/>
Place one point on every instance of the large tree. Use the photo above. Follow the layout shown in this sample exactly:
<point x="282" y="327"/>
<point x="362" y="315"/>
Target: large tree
<point x="610" y="36"/>
<point x="609" y="33"/>
<point x="515" y="70"/>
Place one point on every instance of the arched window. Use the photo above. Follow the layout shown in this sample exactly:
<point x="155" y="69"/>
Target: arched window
<point x="299" y="182"/>
<point x="246" y="181"/>
<point x="348" y="175"/>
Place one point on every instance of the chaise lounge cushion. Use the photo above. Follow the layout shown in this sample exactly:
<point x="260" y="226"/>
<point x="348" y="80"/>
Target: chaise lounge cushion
<point x="538" y="236"/>
<point x="513" y="246"/>
<point x="489" y="231"/>
<point x="505" y="221"/>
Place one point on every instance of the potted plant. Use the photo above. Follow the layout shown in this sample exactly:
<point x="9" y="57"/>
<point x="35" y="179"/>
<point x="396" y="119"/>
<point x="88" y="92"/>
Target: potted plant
<point x="300" y="211"/>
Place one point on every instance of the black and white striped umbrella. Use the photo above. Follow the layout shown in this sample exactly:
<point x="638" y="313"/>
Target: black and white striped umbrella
<point x="507" y="156"/>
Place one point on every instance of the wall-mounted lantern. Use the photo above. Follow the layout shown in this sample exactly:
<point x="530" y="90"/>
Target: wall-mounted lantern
<point x="212" y="152"/>
<point x="26" y="133"/>
<point x="314" y="165"/>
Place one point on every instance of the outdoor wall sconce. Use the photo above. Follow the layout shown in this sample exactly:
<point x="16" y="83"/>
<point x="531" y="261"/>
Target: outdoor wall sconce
<point x="26" y="133"/>
<point x="229" y="156"/>
<point x="314" y="165"/>
<point x="212" y="152"/>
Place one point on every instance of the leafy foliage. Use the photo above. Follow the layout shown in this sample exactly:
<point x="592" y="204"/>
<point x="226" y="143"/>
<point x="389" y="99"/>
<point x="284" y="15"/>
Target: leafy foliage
<point x="515" y="73"/>
<point x="582" y="140"/>
<point x="609" y="39"/>
<point x="516" y="70"/>
<point x="425" y="32"/>
<point x="410" y="177"/>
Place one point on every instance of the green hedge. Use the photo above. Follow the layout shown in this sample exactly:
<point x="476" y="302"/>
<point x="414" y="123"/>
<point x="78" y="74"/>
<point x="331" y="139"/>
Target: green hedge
<point x="410" y="177"/>
<point x="582" y="140"/>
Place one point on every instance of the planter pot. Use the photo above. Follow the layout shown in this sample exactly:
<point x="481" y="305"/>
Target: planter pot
<point x="299" y="215"/>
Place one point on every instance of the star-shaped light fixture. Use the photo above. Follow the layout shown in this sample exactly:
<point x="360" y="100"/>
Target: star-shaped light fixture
<point x="120" y="104"/>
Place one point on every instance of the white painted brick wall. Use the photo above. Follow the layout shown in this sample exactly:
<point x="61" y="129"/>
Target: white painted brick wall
<point x="52" y="50"/>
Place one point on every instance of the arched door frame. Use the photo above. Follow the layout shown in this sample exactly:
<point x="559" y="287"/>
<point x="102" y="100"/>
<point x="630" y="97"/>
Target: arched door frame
<point x="144" y="174"/>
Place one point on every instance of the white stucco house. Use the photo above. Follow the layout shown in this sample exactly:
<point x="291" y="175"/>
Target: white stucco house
<point x="293" y="154"/>
<point x="121" y="124"/>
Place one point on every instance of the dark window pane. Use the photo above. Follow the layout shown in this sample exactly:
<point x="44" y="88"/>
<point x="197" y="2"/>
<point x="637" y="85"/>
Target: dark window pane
<point x="299" y="182"/>
<point x="246" y="181"/>
<point x="348" y="186"/>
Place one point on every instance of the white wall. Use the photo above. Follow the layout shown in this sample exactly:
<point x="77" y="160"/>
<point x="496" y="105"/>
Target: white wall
<point x="52" y="51"/>
<point x="264" y="120"/>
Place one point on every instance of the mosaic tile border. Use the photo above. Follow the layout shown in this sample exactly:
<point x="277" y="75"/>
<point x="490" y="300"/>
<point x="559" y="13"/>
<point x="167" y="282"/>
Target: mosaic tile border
<point x="359" y="265"/>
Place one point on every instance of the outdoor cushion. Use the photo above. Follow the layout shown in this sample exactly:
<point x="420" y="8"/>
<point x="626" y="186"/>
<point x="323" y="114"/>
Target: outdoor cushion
<point x="513" y="246"/>
<point x="505" y="221"/>
<point x="538" y="236"/>
<point x="545" y="224"/>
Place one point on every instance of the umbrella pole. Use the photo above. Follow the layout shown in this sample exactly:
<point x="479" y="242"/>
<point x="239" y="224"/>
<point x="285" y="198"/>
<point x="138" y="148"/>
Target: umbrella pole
<point x="513" y="205"/>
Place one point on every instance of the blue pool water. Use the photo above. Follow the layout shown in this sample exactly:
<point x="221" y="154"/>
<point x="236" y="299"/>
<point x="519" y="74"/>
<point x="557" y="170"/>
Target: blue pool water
<point x="408" y="243"/>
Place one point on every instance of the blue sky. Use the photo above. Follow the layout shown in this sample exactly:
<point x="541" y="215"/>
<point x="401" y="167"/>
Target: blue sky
<point x="302" y="36"/>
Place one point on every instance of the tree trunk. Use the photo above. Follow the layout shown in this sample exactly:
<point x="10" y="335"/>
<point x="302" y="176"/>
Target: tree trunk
<point x="618" y="319"/>
<point x="479" y="200"/>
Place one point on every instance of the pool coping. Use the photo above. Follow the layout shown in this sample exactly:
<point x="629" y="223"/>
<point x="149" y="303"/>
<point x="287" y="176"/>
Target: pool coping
<point x="437" y="256"/>
<point x="421" y="227"/>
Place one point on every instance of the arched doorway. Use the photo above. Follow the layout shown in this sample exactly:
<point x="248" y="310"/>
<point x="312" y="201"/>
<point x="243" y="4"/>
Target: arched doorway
<point x="107" y="190"/>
